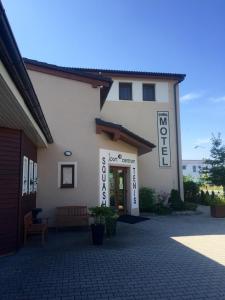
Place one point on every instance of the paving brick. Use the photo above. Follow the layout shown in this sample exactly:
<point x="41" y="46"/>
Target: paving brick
<point x="163" y="258"/>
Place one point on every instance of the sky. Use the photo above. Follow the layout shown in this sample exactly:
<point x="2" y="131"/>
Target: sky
<point x="180" y="36"/>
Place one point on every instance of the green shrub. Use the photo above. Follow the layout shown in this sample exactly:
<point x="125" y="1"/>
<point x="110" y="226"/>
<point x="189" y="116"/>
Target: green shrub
<point x="100" y="213"/>
<point x="202" y="198"/>
<point x="161" y="209"/>
<point x="190" y="206"/>
<point x="216" y="200"/>
<point x="205" y="198"/>
<point x="175" y="201"/>
<point x="208" y="198"/>
<point x="147" y="199"/>
<point x="191" y="191"/>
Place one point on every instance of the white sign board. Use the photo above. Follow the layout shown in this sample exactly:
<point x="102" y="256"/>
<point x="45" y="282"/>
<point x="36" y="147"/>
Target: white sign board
<point x="164" y="138"/>
<point x="114" y="158"/>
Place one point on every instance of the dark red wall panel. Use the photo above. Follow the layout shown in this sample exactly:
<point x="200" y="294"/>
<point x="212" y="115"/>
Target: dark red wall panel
<point x="13" y="146"/>
<point x="27" y="202"/>
<point x="9" y="188"/>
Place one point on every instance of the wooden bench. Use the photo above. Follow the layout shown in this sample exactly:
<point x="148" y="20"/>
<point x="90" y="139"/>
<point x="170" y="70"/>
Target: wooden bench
<point x="71" y="216"/>
<point x="32" y="229"/>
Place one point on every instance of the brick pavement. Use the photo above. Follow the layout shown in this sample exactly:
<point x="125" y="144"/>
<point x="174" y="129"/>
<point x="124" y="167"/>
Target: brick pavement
<point x="156" y="259"/>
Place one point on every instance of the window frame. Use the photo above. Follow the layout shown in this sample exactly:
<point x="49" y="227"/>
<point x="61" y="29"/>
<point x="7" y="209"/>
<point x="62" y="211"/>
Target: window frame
<point x="148" y="84"/>
<point x="25" y="175"/>
<point x="35" y="177"/>
<point x="62" y="165"/>
<point x="131" y="90"/>
<point x="31" y="177"/>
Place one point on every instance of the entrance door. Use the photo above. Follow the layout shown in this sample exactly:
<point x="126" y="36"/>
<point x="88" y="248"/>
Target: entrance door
<point x="118" y="188"/>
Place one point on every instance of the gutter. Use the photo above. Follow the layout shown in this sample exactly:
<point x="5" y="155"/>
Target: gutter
<point x="177" y="133"/>
<point x="11" y="58"/>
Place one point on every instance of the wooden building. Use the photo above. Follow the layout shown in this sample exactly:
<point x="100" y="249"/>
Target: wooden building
<point x="23" y="129"/>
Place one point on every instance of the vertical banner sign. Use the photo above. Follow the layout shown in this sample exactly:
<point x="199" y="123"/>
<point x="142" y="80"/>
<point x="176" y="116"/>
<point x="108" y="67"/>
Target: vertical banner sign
<point x="113" y="158"/>
<point x="134" y="185"/>
<point x="164" y="138"/>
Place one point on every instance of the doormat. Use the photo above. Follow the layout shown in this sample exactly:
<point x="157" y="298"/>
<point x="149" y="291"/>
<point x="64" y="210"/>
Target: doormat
<point x="131" y="219"/>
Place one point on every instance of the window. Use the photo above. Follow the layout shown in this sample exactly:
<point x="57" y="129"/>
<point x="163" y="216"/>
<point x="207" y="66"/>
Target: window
<point x="184" y="167"/>
<point x="148" y="92"/>
<point x="31" y="176"/>
<point x="25" y="175"/>
<point x="35" y="177"/>
<point x="125" y="91"/>
<point x="67" y="175"/>
<point x="194" y="169"/>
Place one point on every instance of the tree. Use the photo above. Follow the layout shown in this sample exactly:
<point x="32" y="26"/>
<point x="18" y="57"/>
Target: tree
<point x="214" y="170"/>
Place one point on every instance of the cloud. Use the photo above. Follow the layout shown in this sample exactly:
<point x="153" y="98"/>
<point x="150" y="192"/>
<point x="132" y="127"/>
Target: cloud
<point x="202" y="141"/>
<point x="218" y="99"/>
<point x="191" y="96"/>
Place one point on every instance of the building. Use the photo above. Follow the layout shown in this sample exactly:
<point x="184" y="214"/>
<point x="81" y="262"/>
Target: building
<point x="121" y="129"/>
<point x="82" y="137"/>
<point x="23" y="129"/>
<point x="192" y="168"/>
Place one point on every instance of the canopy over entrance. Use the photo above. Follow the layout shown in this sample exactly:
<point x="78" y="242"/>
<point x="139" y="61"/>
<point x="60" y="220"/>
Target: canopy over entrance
<point x="118" y="132"/>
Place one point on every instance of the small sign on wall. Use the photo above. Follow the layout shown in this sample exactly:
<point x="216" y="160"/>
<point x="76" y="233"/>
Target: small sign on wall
<point x="164" y="139"/>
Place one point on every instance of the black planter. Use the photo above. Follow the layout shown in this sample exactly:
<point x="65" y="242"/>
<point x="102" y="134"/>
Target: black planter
<point x="97" y="233"/>
<point x="110" y="226"/>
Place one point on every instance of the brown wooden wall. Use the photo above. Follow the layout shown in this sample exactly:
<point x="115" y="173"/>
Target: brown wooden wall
<point x="27" y="202"/>
<point x="9" y="188"/>
<point x="13" y="145"/>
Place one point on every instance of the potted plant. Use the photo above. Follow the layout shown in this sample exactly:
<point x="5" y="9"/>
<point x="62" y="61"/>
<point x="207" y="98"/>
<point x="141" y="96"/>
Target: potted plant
<point x="98" y="227"/>
<point x="217" y="207"/>
<point x="110" y="222"/>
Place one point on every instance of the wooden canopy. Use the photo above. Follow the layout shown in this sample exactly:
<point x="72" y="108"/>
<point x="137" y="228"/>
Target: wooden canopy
<point x="118" y="132"/>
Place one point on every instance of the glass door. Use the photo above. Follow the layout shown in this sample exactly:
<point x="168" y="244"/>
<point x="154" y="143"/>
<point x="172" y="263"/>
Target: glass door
<point x="118" y="192"/>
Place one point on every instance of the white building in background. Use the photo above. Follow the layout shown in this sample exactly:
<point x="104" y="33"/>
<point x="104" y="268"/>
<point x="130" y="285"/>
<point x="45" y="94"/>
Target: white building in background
<point x="192" y="168"/>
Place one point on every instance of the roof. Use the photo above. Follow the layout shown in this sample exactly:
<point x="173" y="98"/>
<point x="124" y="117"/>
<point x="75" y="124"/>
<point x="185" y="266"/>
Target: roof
<point x="118" y="132"/>
<point x="94" y="79"/>
<point x="81" y="73"/>
<point x="192" y="161"/>
<point x="138" y="74"/>
<point x="12" y="60"/>
<point x="104" y="74"/>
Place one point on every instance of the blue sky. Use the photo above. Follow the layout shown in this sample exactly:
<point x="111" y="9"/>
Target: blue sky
<point x="186" y="36"/>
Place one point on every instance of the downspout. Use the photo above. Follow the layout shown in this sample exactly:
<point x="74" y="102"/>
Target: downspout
<point x="177" y="134"/>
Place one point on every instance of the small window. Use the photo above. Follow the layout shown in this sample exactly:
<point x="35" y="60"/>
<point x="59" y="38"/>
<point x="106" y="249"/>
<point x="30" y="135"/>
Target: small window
<point x="194" y="169"/>
<point x="184" y="167"/>
<point x="148" y="92"/>
<point x="25" y="176"/>
<point x="67" y="175"/>
<point x="35" y="177"/>
<point x="125" y="91"/>
<point x="31" y="177"/>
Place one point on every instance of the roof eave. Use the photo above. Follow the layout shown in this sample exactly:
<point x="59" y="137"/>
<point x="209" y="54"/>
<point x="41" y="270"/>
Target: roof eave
<point x="12" y="60"/>
<point x="118" y="132"/>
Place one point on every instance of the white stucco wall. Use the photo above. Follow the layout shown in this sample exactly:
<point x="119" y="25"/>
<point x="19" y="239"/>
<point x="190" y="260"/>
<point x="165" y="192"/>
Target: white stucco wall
<point x="140" y="117"/>
<point x="188" y="168"/>
<point x="161" y="89"/>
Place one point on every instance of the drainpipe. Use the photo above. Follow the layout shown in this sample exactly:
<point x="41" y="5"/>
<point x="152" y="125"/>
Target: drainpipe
<point x="177" y="135"/>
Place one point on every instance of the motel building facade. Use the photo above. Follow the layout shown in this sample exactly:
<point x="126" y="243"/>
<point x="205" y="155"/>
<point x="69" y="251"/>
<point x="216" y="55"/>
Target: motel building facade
<point x="75" y="136"/>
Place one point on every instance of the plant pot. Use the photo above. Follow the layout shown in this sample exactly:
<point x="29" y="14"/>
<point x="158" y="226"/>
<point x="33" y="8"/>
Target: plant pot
<point x="110" y="224"/>
<point x="97" y="233"/>
<point x="217" y="211"/>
